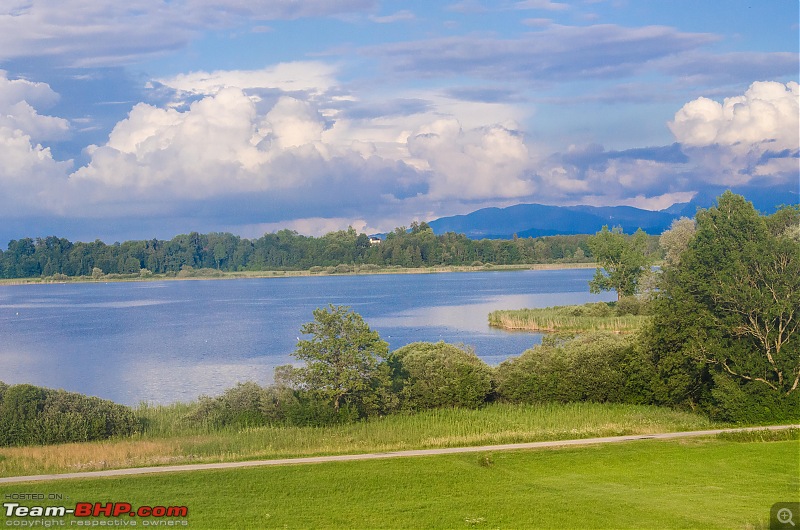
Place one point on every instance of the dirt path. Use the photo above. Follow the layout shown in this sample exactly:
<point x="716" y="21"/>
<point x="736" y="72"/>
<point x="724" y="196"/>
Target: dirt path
<point x="375" y="456"/>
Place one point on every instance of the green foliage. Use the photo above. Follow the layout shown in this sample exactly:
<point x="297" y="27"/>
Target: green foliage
<point x="431" y="375"/>
<point x="34" y="415"/>
<point x="727" y="315"/>
<point x="342" y="361"/>
<point x="598" y="367"/>
<point x="623" y="260"/>
<point x="675" y="241"/>
<point x="206" y="255"/>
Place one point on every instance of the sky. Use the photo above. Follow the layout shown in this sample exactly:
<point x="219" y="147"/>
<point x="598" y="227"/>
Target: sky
<point x="151" y="118"/>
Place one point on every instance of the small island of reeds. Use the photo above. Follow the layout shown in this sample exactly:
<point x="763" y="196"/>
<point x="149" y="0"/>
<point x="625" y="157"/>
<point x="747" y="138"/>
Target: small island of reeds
<point x="625" y="316"/>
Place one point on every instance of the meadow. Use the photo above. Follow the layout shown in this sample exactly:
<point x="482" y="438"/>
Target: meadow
<point x="711" y="482"/>
<point x="170" y="437"/>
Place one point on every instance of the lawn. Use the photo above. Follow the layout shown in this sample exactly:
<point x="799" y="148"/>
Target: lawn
<point x="710" y="482"/>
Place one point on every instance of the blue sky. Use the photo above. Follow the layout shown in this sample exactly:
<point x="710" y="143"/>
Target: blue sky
<point x="151" y="118"/>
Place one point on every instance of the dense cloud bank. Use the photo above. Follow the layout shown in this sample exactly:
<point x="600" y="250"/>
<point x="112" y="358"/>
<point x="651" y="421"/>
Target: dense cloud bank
<point x="287" y="144"/>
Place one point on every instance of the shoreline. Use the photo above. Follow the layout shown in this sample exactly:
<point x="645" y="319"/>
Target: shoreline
<point x="220" y="275"/>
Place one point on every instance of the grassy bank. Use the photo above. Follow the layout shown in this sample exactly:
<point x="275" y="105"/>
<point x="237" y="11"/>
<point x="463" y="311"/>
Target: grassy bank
<point x="578" y="319"/>
<point x="170" y="439"/>
<point x="698" y="483"/>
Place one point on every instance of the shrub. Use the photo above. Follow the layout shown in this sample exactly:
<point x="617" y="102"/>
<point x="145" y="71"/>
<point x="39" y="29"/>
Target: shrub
<point x="430" y="375"/>
<point x="597" y="366"/>
<point x="240" y="405"/>
<point x="35" y="415"/>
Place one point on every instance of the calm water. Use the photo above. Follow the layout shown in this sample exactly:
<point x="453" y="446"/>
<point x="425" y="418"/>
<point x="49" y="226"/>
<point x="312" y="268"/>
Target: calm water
<point x="172" y="341"/>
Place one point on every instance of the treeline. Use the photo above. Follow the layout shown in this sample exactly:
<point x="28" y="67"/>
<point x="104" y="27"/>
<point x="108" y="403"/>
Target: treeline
<point x="285" y="250"/>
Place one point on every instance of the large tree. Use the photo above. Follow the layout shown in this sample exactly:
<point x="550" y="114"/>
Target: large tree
<point x="624" y="259"/>
<point x="342" y="359"/>
<point x="731" y="306"/>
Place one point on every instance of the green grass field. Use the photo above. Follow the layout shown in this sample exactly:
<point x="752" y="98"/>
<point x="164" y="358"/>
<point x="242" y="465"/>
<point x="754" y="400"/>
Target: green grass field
<point x="171" y="440"/>
<point x="697" y="483"/>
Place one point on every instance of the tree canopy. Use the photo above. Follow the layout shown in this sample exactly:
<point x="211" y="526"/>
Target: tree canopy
<point x="342" y="358"/>
<point x="731" y="307"/>
<point x="624" y="259"/>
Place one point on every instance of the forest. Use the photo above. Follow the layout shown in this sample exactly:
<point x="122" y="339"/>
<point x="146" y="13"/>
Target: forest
<point x="416" y="246"/>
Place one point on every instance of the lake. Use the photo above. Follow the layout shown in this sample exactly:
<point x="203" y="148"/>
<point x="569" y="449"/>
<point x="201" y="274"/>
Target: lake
<point x="167" y="341"/>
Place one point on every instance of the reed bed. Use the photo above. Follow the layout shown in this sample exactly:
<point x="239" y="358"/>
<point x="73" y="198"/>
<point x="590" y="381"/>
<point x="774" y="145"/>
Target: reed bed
<point x="553" y="319"/>
<point x="171" y="440"/>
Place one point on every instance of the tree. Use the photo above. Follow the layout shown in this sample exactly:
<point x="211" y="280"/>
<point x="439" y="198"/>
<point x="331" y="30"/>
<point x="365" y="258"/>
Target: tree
<point x="342" y="359"/>
<point x="429" y="375"/>
<point x="675" y="241"/>
<point x="624" y="260"/>
<point x="732" y="304"/>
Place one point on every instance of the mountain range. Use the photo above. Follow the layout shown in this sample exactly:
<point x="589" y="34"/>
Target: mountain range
<point x="535" y="220"/>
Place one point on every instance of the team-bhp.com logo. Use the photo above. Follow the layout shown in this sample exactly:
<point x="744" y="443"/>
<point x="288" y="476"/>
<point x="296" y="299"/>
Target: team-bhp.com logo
<point x="95" y="510"/>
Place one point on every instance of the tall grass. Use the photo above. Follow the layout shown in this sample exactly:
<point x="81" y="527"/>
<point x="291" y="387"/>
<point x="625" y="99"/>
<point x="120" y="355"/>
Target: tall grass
<point x="169" y="439"/>
<point x="562" y="318"/>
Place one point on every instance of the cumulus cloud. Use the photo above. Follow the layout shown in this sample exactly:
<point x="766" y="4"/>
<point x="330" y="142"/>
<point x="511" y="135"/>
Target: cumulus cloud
<point x="767" y="113"/>
<point x="28" y="170"/>
<point x="752" y="135"/>
<point x="481" y="163"/>
<point x="17" y="111"/>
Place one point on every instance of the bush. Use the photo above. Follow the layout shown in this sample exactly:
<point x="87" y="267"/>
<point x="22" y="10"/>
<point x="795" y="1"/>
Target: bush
<point x="598" y="309"/>
<point x="430" y="375"/>
<point x="239" y="406"/>
<point x="597" y="366"/>
<point x="632" y="305"/>
<point x="35" y="415"/>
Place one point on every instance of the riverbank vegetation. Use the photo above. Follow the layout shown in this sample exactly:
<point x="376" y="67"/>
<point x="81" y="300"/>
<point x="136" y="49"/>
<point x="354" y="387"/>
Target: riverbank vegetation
<point x="172" y="434"/>
<point x="345" y="251"/>
<point x="625" y="316"/>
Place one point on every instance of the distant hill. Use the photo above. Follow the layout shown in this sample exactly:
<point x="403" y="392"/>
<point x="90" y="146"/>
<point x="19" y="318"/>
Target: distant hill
<point x="535" y="220"/>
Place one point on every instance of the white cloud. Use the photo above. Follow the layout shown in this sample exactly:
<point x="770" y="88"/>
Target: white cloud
<point x="476" y="164"/>
<point x="209" y="148"/>
<point x="753" y="135"/>
<point x="28" y="175"/>
<point x="17" y="97"/>
<point x="28" y="172"/>
<point x="307" y="76"/>
<point x="292" y="123"/>
<point x="767" y="113"/>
